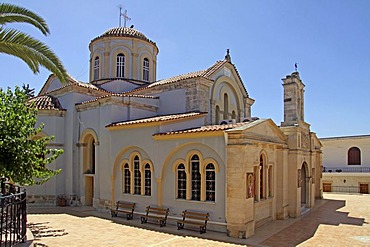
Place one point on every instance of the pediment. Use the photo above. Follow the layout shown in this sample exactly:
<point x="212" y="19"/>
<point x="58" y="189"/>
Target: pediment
<point x="51" y="84"/>
<point x="264" y="130"/>
<point x="226" y="71"/>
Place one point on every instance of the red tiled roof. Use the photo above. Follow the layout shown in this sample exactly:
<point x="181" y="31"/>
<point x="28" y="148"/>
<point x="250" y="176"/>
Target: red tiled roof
<point x="71" y="82"/>
<point x="202" y="73"/>
<point x="157" y="119"/>
<point x="209" y="128"/>
<point x="124" y="32"/>
<point x="118" y="95"/>
<point x="46" y="102"/>
<point x="179" y="78"/>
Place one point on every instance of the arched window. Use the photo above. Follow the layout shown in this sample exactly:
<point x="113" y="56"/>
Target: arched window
<point x="148" y="180"/>
<point x="96" y="68"/>
<point x="354" y="156"/>
<point x="269" y="181"/>
<point x="195" y="178"/>
<point x="233" y="115"/>
<point x="127" y="178"/>
<point x="120" y="65"/>
<point x="181" y="182"/>
<point x="91" y="146"/>
<point x="137" y="176"/>
<point x="262" y="181"/>
<point x="217" y="115"/>
<point x="146" y="69"/>
<point x="210" y="182"/>
<point x="226" y="106"/>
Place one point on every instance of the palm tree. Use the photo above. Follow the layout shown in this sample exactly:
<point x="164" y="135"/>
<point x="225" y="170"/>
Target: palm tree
<point x="16" y="43"/>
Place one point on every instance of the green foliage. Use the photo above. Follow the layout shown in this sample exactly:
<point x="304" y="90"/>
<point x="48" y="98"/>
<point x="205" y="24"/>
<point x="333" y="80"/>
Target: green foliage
<point x="33" y="52"/>
<point x="23" y="157"/>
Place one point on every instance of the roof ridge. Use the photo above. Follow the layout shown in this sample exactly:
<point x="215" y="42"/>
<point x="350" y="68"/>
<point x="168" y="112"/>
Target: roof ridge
<point x="124" y="32"/>
<point x="46" y="102"/>
<point x="159" y="118"/>
<point x="117" y="95"/>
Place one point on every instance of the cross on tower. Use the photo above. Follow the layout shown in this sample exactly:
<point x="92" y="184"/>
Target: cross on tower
<point x="125" y="17"/>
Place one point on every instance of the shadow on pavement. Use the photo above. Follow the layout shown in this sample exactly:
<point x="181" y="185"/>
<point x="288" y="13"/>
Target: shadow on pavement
<point x="306" y="227"/>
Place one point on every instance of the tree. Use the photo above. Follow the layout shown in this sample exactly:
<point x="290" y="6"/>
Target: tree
<point x="23" y="158"/>
<point x="16" y="43"/>
<point x="30" y="92"/>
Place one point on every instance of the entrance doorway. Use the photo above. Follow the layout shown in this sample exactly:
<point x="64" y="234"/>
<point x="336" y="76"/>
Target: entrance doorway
<point x="326" y="187"/>
<point x="304" y="185"/>
<point x="89" y="190"/>
<point x="364" y="188"/>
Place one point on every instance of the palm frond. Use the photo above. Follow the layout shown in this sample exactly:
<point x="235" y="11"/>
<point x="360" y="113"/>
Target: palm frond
<point x="31" y="51"/>
<point x="11" y="13"/>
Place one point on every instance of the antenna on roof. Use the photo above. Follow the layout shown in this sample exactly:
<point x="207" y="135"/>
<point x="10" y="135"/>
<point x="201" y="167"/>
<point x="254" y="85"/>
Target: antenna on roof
<point x="125" y="16"/>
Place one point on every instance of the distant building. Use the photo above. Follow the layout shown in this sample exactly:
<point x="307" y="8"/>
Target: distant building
<point x="346" y="164"/>
<point x="186" y="142"/>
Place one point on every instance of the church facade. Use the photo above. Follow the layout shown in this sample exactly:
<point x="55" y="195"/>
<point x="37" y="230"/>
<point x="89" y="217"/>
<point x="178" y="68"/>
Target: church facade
<point x="186" y="142"/>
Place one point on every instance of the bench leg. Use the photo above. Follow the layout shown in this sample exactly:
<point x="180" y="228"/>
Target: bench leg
<point x="180" y="225"/>
<point x="130" y="216"/>
<point x="113" y="213"/>
<point x="144" y="220"/>
<point x="202" y="229"/>
<point x="162" y="223"/>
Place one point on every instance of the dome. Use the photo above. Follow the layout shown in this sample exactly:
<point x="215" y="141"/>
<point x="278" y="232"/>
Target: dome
<point x="124" y="32"/>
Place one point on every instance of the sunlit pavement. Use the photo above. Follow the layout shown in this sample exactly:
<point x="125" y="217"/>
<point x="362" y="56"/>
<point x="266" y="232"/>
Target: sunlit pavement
<point x="338" y="220"/>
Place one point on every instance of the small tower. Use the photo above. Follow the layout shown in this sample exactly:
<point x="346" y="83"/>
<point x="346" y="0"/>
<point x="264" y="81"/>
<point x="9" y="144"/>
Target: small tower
<point x="293" y="100"/>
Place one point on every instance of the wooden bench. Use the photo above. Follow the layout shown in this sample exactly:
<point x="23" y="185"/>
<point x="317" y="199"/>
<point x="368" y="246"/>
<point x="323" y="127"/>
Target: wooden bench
<point x="125" y="208"/>
<point x="155" y="214"/>
<point x="193" y="218"/>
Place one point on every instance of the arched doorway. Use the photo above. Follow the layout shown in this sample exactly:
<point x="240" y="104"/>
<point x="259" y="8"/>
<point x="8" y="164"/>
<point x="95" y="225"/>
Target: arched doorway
<point x="304" y="185"/>
<point x="89" y="142"/>
<point x="89" y="169"/>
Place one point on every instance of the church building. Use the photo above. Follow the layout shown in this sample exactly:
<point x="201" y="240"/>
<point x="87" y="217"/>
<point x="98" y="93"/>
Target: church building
<point x="185" y="142"/>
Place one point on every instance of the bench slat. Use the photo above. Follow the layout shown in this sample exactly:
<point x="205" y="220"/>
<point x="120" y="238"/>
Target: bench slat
<point x="124" y="207"/>
<point x="194" y="218"/>
<point x="158" y="214"/>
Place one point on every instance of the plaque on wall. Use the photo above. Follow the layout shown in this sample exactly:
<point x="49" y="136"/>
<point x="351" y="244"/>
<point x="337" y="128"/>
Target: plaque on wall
<point x="250" y="185"/>
<point x="305" y="140"/>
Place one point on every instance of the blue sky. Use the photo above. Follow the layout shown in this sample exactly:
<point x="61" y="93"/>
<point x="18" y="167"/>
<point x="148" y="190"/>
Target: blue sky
<point x="329" y="39"/>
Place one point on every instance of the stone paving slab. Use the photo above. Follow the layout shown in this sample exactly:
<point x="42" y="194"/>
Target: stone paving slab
<point x="339" y="220"/>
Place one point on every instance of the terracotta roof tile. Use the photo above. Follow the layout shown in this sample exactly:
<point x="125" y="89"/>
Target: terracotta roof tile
<point x="179" y="78"/>
<point x="158" y="119"/>
<point x="202" y="73"/>
<point x="118" y="95"/>
<point x="124" y="32"/>
<point x="46" y="102"/>
<point x="72" y="81"/>
<point x="209" y="128"/>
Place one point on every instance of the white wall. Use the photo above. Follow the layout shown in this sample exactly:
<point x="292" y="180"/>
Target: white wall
<point x="335" y="150"/>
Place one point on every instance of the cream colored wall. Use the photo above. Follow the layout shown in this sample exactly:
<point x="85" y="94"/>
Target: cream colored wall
<point x="163" y="154"/>
<point x="244" y="150"/>
<point x="335" y="156"/>
<point x="346" y="179"/>
<point x="226" y="83"/>
<point x="335" y="151"/>
<point x="135" y="50"/>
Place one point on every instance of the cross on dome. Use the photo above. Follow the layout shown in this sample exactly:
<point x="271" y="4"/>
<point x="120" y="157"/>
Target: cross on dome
<point x="124" y="15"/>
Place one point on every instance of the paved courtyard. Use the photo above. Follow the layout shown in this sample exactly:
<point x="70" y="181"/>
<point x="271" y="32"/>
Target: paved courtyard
<point x="338" y="220"/>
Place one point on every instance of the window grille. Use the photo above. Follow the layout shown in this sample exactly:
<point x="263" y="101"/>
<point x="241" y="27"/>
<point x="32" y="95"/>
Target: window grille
<point x="148" y="180"/>
<point x="181" y="182"/>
